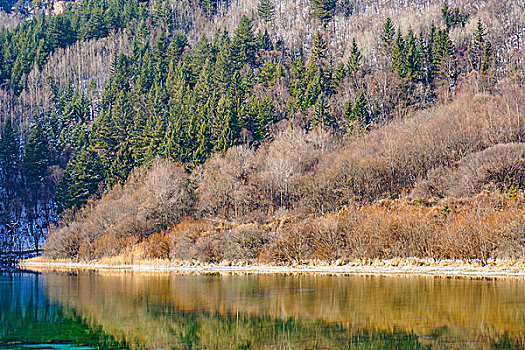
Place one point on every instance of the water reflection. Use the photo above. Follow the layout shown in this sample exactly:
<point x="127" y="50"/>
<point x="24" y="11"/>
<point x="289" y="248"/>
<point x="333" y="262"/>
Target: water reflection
<point x="291" y="312"/>
<point x="29" y="321"/>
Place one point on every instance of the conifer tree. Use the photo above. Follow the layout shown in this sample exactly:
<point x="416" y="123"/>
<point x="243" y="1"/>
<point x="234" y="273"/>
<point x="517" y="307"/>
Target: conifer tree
<point x="81" y="180"/>
<point x="266" y="10"/>
<point x="264" y="119"/>
<point x="244" y="45"/>
<point x="358" y="113"/>
<point x="36" y="158"/>
<point x="264" y="42"/>
<point x="323" y="10"/>
<point x="320" y="47"/>
<point x="339" y="75"/>
<point x="121" y="166"/>
<point x="387" y="36"/>
<point x="267" y="73"/>
<point x="480" y="50"/>
<point x="354" y="61"/>
<point x="203" y="142"/>
<point x="412" y="57"/>
<point x="297" y="85"/>
<point x="172" y="146"/>
<point x="453" y="17"/>
<point x="313" y="89"/>
<point x="321" y="116"/>
<point x="177" y="45"/>
<point x="399" y="56"/>
<point x="9" y="156"/>
<point x="226" y="138"/>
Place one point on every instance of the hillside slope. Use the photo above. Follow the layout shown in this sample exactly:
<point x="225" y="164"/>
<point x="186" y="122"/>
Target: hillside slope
<point x="261" y="112"/>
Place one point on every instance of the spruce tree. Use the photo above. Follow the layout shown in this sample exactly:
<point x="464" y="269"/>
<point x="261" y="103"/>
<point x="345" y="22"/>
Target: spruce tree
<point x="387" y="36"/>
<point x="264" y="42"/>
<point x="81" y="180"/>
<point x="412" y="57"/>
<point x="244" y="45"/>
<point x="9" y="156"/>
<point x="264" y="119"/>
<point x="320" y="116"/>
<point x="323" y="10"/>
<point x="266" y="10"/>
<point x="36" y="158"/>
<point x="121" y="166"/>
<point x="354" y="61"/>
<point x="357" y="113"/>
<point x="399" y="56"/>
<point x="203" y="143"/>
<point x="267" y="73"/>
<point x="320" y="47"/>
<point x="360" y="110"/>
<point x="339" y="75"/>
<point x="480" y="50"/>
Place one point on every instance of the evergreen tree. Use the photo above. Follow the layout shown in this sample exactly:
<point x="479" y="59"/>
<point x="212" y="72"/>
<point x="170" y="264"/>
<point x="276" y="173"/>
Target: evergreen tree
<point x="244" y="45"/>
<point x="480" y="50"/>
<point x="264" y="119"/>
<point x="81" y="180"/>
<point x="387" y="36"/>
<point x="412" y="57"/>
<point x="266" y="10"/>
<point x="264" y="42"/>
<point x="313" y="89"/>
<point x="358" y="113"/>
<point x="354" y="61"/>
<point x="36" y="158"/>
<point x="339" y="75"/>
<point x="323" y="10"/>
<point x="121" y="166"/>
<point x="320" y="47"/>
<point x="172" y="146"/>
<point x="453" y="17"/>
<point x="9" y="156"/>
<point x="267" y="73"/>
<point x="399" y="56"/>
<point x="444" y="56"/>
<point x="321" y="116"/>
<point x="177" y="45"/>
<point x="203" y="142"/>
<point x="297" y="85"/>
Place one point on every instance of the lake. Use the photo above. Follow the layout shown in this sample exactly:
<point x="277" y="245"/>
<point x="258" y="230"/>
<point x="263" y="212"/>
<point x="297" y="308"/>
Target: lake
<point x="130" y="310"/>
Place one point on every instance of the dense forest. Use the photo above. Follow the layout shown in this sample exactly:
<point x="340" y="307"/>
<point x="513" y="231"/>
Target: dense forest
<point x="265" y="131"/>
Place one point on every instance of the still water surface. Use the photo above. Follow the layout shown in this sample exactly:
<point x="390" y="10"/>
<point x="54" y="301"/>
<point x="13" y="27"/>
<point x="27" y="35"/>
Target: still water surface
<point x="120" y="310"/>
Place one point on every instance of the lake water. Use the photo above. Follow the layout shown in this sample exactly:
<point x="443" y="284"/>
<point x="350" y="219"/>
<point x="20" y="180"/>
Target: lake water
<point x="120" y="310"/>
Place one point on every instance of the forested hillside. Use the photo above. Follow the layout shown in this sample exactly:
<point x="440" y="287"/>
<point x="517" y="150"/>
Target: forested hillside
<point x="263" y="130"/>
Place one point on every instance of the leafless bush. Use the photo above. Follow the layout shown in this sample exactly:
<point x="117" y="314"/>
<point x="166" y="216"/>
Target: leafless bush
<point x="151" y="200"/>
<point x="244" y="243"/>
<point x="502" y="166"/>
<point x="222" y="183"/>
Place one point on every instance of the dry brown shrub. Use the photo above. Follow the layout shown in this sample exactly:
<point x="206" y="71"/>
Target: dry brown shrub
<point x="223" y="188"/>
<point x="156" y="246"/>
<point x="184" y="236"/>
<point x="501" y="166"/>
<point x="329" y="242"/>
<point x="151" y="200"/>
<point x="107" y="245"/>
<point x="292" y="242"/>
<point x="245" y="242"/>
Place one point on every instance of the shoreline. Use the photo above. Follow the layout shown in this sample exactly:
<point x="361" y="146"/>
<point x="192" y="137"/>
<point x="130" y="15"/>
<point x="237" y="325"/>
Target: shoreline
<point x="449" y="269"/>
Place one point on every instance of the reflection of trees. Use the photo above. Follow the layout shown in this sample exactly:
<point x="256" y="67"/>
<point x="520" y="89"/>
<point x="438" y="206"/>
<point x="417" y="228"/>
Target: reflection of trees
<point x="27" y="317"/>
<point x="226" y="311"/>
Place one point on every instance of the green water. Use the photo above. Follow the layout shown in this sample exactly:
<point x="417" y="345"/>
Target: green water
<point x="120" y="310"/>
